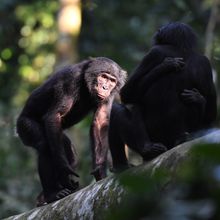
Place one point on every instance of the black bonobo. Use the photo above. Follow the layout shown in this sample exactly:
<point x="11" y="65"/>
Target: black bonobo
<point x="62" y="101"/>
<point x="163" y="103"/>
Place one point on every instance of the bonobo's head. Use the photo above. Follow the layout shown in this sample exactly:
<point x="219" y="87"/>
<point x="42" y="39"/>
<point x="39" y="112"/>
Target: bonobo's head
<point x="177" y="34"/>
<point x="104" y="77"/>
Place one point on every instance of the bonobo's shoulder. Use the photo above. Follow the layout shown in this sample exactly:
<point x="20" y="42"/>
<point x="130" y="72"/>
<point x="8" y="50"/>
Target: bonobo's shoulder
<point x="199" y="58"/>
<point x="203" y="58"/>
<point x="78" y="66"/>
<point x="72" y="70"/>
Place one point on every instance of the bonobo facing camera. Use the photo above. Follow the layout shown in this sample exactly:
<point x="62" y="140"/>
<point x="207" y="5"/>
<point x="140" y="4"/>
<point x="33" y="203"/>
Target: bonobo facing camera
<point x="59" y="103"/>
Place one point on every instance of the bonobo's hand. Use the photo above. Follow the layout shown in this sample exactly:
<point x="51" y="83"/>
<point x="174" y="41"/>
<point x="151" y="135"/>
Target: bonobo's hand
<point x="67" y="181"/>
<point x="66" y="169"/>
<point x="152" y="150"/>
<point x="58" y="195"/>
<point x="192" y="96"/>
<point x="99" y="172"/>
<point x="176" y="62"/>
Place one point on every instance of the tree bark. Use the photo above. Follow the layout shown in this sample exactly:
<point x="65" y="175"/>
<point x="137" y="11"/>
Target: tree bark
<point x="211" y="28"/>
<point x="92" y="201"/>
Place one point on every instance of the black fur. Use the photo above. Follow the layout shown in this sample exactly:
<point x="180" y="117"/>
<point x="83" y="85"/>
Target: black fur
<point x="60" y="102"/>
<point x="164" y="112"/>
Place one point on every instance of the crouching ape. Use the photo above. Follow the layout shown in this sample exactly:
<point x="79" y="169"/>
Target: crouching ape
<point x="62" y="101"/>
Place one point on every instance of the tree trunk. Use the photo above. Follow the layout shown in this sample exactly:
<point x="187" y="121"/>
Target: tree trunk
<point x="92" y="201"/>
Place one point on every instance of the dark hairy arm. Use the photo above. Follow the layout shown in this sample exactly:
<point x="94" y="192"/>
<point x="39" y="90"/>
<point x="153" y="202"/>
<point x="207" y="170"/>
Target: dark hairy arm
<point x="203" y="96"/>
<point x="129" y="93"/>
<point x="209" y="94"/>
<point x="168" y="66"/>
<point x="52" y="123"/>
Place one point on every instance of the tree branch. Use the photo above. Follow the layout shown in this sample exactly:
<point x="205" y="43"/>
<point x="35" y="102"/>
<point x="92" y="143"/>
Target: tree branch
<point x="92" y="201"/>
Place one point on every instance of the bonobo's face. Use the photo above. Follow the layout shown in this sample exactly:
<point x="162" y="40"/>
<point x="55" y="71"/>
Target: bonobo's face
<point x="104" y="85"/>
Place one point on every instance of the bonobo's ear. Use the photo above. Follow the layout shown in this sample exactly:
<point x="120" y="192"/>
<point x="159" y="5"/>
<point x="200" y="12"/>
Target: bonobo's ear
<point x="122" y="77"/>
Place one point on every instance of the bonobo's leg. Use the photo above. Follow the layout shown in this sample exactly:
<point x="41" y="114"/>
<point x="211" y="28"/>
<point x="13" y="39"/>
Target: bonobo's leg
<point x="138" y="136"/>
<point x="67" y="181"/>
<point x="30" y="132"/>
<point x="127" y="127"/>
<point x="54" y="187"/>
<point x="70" y="151"/>
<point x="48" y="175"/>
<point x="116" y="143"/>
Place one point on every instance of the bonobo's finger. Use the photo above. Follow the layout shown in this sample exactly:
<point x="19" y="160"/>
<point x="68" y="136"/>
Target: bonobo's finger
<point x="187" y="91"/>
<point x="195" y="90"/>
<point x="157" y="147"/>
<point x="187" y="97"/>
<point x="186" y="94"/>
<point x="180" y="60"/>
<point x="63" y="193"/>
<point x="74" y="185"/>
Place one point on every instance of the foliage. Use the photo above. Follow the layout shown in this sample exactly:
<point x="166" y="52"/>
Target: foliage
<point x="192" y="192"/>
<point x="121" y="30"/>
<point x="27" y="39"/>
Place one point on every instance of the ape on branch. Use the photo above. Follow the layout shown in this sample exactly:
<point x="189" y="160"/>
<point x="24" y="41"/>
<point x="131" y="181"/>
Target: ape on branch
<point x="170" y="96"/>
<point x="62" y="101"/>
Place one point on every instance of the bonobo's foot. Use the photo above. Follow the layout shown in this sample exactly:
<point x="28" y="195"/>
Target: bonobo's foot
<point x="152" y="150"/>
<point x="121" y="168"/>
<point x="60" y="194"/>
<point x="99" y="172"/>
<point x="40" y="200"/>
<point x="183" y="138"/>
<point x="67" y="181"/>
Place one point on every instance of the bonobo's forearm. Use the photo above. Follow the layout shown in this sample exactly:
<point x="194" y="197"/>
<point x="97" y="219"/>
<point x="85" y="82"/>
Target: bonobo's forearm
<point x="129" y="93"/>
<point x="211" y="108"/>
<point x="54" y="137"/>
<point x="155" y="74"/>
<point x="169" y="65"/>
<point x="99" y="136"/>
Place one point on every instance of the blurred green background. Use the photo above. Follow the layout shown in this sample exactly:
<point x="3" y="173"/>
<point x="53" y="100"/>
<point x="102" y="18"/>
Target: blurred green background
<point x="36" y="37"/>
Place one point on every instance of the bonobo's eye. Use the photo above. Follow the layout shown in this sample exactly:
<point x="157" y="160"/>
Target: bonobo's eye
<point x="113" y="80"/>
<point x="104" y="76"/>
<point x="108" y="77"/>
<point x="106" y="82"/>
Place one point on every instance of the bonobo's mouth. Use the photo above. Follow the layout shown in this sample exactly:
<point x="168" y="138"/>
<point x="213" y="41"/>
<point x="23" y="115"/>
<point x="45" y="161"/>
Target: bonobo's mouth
<point x="101" y="96"/>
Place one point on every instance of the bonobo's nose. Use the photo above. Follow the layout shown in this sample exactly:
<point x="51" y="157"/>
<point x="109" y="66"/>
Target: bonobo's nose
<point x="105" y="87"/>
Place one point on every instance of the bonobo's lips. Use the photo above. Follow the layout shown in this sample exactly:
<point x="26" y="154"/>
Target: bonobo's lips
<point x="101" y="96"/>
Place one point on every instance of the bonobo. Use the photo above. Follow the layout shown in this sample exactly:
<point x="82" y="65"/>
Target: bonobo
<point x="158" y="116"/>
<point x="62" y="101"/>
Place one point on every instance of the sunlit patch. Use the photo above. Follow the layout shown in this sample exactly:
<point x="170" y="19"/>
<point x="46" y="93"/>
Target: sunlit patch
<point x="6" y="54"/>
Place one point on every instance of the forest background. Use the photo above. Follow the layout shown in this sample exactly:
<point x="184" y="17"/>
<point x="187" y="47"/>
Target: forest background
<point x="37" y="37"/>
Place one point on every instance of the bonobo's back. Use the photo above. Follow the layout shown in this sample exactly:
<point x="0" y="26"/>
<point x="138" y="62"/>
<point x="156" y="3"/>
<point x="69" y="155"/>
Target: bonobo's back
<point x="63" y="82"/>
<point x="166" y="116"/>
